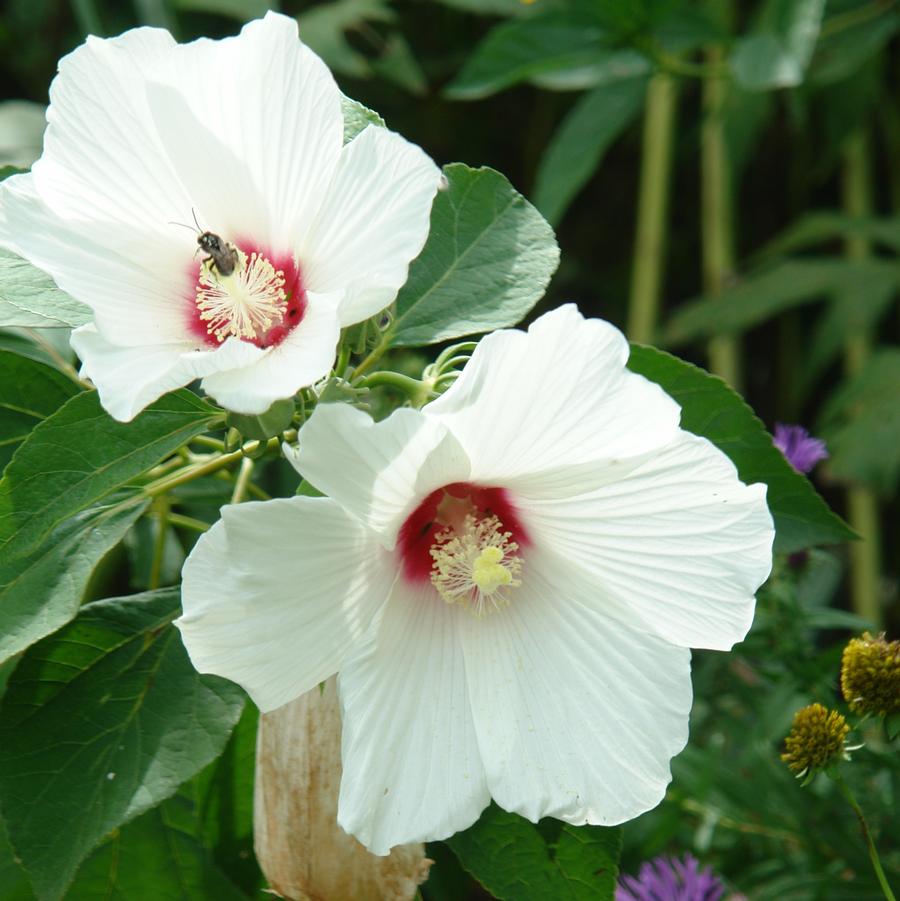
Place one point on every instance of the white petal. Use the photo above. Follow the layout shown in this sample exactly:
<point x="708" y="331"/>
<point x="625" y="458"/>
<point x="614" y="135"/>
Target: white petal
<point x="577" y="716"/>
<point x="102" y="159"/>
<point x="373" y="222"/>
<point x="129" y="378"/>
<point x="253" y="127"/>
<point x="412" y="770"/>
<point x="134" y="282"/>
<point x="277" y="593"/>
<point x="305" y="356"/>
<point x="557" y="396"/>
<point x="678" y="546"/>
<point x="381" y="471"/>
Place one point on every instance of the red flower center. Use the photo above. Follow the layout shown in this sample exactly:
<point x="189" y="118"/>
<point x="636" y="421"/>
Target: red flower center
<point x="453" y="511"/>
<point x="245" y="292"/>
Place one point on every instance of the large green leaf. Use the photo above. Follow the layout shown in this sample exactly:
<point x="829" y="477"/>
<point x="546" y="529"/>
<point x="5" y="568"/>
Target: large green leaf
<point x="158" y="856"/>
<point x="777" y="53"/>
<point x="29" y="392"/>
<point x="29" y="298"/>
<point x="41" y="591"/>
<point x="80" y="454"/>
<point x="822" y="226"/>
<point x="14" y="885"/>
<point x="844" y="51"/>
<point x="99" y="723"/>
<point x="511" y="859"/>
<point x="711" y="409"/>
<point x="487" y="261"/>
<point x="775" y="289"/>
<point x="588" y="130"/>
<point x="861" y="424"/>
<point x="524" y="48"/>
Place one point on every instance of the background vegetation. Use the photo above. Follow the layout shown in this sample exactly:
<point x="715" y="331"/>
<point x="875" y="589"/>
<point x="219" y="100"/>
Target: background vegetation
<point x="724" y="183"/>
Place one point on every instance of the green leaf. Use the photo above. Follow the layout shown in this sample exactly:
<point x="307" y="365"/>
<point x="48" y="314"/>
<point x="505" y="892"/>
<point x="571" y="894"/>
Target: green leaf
<point x="80" y="454"/>
<point x="29" y="298"/>
<point x="357" y="117"/>
<point x="582" y="139"/>
<point x="99" y="723"/>
<point x="41" y="591"/>
<point x="777" y="54"/>
<point x="711" y="409"/>
<point x="224" y="798"/>
<point x="266" y="425"/>
<point x="525" y="48"/>
<point x="842" y="53"/>
<point x="823" y="226"/>
<point x="861" y="425"/>
<point x="242" y="10"/>
<point x="14" y="885"/>
<point x="608" y="67"/>
<point x="324" y="28"/>
<point x="158" y="856"/>
<point x="487" y="261"/>
<point x="29" y="393"/>
<point x="773" y="290"/>
<point x="510" y="858"/>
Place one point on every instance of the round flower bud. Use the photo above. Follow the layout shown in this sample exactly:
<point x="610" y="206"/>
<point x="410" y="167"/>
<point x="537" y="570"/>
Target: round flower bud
<point x="816" y="740"/>
<point x="870" y="675"/>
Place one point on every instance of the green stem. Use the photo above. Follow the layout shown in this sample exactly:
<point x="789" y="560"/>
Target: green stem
<point x="854" y="17"/>
<point x="242" y="482"/>
<point x="717" y="218"/>
<point x="415" y="390"/>
<point x="862" y="504"/>
<point x="374" y="356"/>
<point x="187" y="522"/>
<point x="198" y="470"/>
<point x="207" y="441"/>
<point x="649" y="250"/>
<point x="161" y="506"/>
<point x="867" y="835"/>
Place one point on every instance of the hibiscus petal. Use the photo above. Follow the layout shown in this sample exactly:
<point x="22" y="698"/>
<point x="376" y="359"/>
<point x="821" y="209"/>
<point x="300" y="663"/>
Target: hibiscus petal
<point x="276" y="595"/>
<point x="577" y="716"/>
<point x="303" y="357"/>
<point x="134" y="285"/>
<point x="557" y="396"/>
<point x="679" y="545"/>
<point x="374" y="221"/>
<point x="412" y="770"/>
<point x="380" y="471"/>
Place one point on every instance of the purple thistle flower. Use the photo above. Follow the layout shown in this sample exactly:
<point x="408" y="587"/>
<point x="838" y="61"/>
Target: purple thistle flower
<point x="671" y="879"/>
<point x="800" y="449"/>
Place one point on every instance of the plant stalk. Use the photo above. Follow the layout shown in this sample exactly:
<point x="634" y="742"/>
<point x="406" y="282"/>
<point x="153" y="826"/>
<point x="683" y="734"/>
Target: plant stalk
<point x="717" y="216"/>
<point x="867" y="835"/>
<point x="862" y="504"/>
<point x="653" y="199"/>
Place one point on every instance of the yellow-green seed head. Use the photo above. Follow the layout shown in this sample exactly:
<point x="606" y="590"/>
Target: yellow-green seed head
<point x="870" y="675"/>
<point x="816" y="740"/>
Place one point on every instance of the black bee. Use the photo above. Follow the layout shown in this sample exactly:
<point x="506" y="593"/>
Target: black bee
<point x="222" y="255"/>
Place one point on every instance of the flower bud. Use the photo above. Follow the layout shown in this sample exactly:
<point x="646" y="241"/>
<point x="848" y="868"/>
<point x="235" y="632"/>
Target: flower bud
<point x="816" y="740"/>
<point x="870" y="675"/>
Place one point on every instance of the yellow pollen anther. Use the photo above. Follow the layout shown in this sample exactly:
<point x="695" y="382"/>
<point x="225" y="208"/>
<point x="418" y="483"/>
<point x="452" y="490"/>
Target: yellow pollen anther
<point x="245" y="304"/>
<point x="473" y="566"/>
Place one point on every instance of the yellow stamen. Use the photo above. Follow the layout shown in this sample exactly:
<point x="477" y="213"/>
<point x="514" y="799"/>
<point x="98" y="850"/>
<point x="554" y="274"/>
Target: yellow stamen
<point x="245" y="304"/>
<point x="475" y="565"/>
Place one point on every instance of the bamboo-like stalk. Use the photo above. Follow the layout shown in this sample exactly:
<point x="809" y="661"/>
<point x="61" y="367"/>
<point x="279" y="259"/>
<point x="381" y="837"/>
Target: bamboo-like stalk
<point x="862" y="504"/>
<point x="653" y="201"/>
<point x="717" y="215"/>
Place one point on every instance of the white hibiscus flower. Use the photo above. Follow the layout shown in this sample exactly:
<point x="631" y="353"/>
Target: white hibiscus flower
<point x="244" y="135"/>
<point x="508" y="582"/>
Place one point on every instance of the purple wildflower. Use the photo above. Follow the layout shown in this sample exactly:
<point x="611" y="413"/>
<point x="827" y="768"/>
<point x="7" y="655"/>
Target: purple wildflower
<point x="671" y="879"/>
<point x="800" y="449"/>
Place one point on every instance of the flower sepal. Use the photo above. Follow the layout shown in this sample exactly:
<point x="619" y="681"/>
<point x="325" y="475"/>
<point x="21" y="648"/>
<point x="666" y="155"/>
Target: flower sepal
<point x="275" y="421"/>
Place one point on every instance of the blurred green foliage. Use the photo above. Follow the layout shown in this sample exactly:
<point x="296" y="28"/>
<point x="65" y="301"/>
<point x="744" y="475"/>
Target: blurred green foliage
<point x="552" y="93"/>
